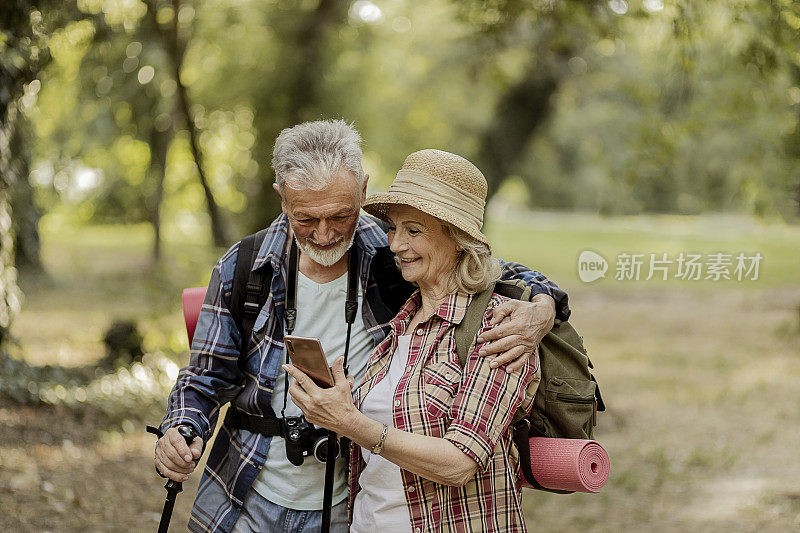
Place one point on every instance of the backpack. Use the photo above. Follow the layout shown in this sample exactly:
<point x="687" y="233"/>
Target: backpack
<point x="249" y="291"/>
<point x="568" y="398"/>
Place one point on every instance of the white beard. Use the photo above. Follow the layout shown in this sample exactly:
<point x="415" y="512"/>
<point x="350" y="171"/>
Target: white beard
<point x="325" y="258"/>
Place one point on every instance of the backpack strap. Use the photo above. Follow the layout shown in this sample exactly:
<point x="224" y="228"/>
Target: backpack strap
<point x="249" y="291"/>
<point x="467" y="330"/>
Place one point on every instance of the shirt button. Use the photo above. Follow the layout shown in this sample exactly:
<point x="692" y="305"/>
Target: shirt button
<point x="420" y="331"/>
<point x="417" y="530"/>
<point x="397" y="403"/>
<point x="448" y="375"/>
<point x="411" y="488"/>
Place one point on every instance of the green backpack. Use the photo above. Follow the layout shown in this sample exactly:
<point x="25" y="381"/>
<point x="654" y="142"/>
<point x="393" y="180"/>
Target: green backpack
<point x="568" y="397"/>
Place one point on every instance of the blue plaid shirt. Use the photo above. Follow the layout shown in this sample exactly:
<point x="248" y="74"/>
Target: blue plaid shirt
<point x="213" y="376"/>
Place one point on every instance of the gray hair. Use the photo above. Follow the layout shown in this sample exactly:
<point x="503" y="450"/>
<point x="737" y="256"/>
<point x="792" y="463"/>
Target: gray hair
<point x="309" y="155"/>
<point x="475" y="267"/>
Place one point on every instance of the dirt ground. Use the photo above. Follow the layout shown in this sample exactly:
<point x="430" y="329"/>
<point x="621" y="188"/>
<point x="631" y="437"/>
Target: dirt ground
<point x="702" y="390"/>
<point x="60" y="472"/>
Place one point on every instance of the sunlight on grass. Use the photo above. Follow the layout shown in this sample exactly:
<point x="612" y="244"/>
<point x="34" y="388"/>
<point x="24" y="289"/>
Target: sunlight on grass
<point x="552" y="242"/>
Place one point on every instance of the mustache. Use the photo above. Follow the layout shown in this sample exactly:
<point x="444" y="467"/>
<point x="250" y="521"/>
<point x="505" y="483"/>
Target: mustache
<point x="314" y="241"/>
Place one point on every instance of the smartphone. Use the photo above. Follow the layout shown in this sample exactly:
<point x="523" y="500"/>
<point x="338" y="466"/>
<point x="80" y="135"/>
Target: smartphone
<point x="306" y="354"/>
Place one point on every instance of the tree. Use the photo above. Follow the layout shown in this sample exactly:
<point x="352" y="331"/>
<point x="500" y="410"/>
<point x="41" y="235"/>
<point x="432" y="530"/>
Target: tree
<point x="22" y="54"/>
<point x="20" y="60"/>
<point x="175" y="46"/>
<point x="553" y="34"/>
<point x="305" y="55"/>
<point x="776" y="49"/>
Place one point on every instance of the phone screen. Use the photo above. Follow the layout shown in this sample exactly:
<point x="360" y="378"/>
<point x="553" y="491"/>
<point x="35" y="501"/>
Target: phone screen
<point x="306" y="354"/>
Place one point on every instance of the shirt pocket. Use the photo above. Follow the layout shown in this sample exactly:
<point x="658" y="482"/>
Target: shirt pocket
<point x="440" y="383"/>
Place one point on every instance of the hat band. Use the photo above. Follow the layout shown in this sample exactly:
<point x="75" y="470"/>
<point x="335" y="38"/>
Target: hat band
<point x="425" y="187"/>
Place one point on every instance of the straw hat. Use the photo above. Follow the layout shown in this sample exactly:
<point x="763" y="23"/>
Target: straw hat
<point x="441" y="184"/>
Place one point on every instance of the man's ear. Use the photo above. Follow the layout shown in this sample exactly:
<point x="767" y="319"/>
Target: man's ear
<point x="283" y="202"/>
<point x="364" y="190"/>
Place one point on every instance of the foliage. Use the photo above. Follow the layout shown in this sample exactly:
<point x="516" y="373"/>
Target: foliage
<point x="20" y="57"/>
<point x="601" y="106"/>
<point x="675" y="118"/>
<point x="129" y="392"/>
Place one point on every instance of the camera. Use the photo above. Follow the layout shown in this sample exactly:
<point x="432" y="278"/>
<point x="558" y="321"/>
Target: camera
<point x="304" y="439"/>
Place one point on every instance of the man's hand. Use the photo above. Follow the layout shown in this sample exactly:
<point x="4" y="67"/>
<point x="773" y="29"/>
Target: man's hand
<point x="519" y="327"/>
<point x="174" y="459"/>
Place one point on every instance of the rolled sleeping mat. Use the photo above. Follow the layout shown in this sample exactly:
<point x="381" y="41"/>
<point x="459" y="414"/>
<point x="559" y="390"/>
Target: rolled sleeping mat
<point x="569" y="464"/>
<point x="192" y="300"/>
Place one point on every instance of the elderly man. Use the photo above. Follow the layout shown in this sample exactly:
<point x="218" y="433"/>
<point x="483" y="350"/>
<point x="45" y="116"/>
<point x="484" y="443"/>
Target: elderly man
<point x="249" y="483"/>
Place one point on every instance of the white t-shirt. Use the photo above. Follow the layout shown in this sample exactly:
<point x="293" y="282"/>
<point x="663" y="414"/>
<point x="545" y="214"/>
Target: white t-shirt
<point x="381" y="504"/>
<point x="320" y="314"/>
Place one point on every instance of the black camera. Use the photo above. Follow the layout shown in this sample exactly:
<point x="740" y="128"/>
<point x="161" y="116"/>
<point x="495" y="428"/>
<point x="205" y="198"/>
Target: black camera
<point x="304" y="439"/>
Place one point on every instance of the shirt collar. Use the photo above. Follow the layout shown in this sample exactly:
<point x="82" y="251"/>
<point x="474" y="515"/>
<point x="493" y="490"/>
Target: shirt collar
<point x="452" y="310"/>
<point x="273" y="248"/>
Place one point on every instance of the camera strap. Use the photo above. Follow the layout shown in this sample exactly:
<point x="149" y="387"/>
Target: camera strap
<point x="350" y="313"/>
<point x="290" y="309"/>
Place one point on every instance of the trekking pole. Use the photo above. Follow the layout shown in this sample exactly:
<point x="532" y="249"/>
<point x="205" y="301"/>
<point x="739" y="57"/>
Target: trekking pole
<point x="173" y="487"/>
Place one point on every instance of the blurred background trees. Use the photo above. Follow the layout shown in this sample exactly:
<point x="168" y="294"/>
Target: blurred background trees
<point x="165" y="111"/>
<point x="21" y="58"/>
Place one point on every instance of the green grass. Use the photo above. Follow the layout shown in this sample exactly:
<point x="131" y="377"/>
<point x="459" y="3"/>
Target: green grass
<point x="97" y="274"/>
<point x="552" y="242"/>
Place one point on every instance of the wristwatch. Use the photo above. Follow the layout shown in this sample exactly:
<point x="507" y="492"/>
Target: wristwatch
<point x="378" y="448"/>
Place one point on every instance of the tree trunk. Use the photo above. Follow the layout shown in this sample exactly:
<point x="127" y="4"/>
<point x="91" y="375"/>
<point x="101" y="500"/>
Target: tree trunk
<point x="25" y="222"/>
<point x="520" y="113"/>
<point x="9" y="291"/>
<point x="159" y="144"/>
<point x="304" y="90"/>
<point x="175" y="46"/>
<point x="15" y="71"/>
<point x="176" y="51"/>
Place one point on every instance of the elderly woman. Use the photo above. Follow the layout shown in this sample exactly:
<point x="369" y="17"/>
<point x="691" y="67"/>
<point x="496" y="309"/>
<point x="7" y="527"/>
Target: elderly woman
<point x="432" y="446"/>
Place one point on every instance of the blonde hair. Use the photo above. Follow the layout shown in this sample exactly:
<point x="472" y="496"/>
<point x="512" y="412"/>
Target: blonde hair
<point x="475" y="268"/>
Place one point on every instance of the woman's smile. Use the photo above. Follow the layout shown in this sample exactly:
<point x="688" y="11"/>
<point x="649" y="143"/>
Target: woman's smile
<point x="425" y="252"/>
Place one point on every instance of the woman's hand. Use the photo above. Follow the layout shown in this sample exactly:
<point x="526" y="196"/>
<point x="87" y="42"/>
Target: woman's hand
<point x="433" y="458"/>
<point x="331" y="408"/>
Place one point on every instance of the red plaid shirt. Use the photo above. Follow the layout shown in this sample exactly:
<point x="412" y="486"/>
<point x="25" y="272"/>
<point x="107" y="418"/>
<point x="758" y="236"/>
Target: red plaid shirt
<point x="472" y="408"/>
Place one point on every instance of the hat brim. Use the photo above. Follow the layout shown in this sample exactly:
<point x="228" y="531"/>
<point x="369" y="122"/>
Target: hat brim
<point x="378" y="204"/>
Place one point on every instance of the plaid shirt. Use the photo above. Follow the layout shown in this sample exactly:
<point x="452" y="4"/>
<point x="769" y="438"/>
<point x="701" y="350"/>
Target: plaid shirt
<point x="470" y="407"/>
<point x="213" y="377"/>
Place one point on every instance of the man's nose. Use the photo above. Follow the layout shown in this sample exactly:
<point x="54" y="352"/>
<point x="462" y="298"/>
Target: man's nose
<point x="324" y="233"/>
